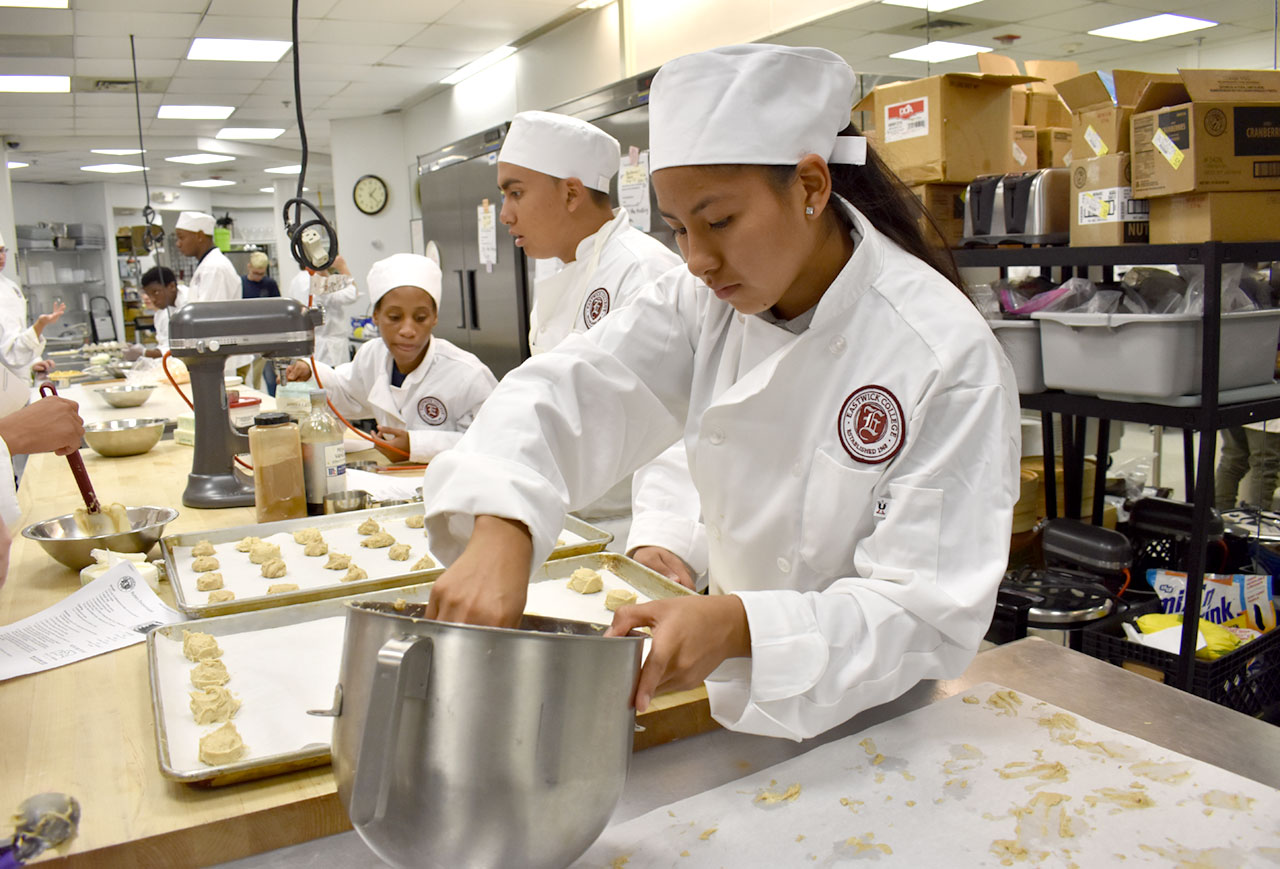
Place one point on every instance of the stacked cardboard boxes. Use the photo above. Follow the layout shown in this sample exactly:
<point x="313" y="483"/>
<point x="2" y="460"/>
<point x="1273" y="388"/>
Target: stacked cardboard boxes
<point x="1206" y="153"/>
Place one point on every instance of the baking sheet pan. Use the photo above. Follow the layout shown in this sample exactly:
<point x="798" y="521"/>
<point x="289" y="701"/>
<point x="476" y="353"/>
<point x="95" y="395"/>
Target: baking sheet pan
<point x="285" y="660"/>
<point x="316" y="583"/>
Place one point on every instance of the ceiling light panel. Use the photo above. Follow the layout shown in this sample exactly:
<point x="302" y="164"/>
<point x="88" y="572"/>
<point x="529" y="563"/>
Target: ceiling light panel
<point x="35" y="84"/>
<point x="35" y="4"/>
<point x="250" y="132"/>
<point x="209" y="182"/>
<point x="195" y="113"/>
<point x="242" y="50"/>
<point x="111" y="168"/>
<point x="198" y="159"/>
<point x="285" y="170"/>
<point x="488" y="60"/>
<point x="117" y="152"/>
<point x="1154" y="27"/>
<point x="939" y="52"/>
<point x="14" y="164"/>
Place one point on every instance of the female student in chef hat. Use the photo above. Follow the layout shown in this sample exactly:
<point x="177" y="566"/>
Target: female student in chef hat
<point x="423" y="391"/>
<point x="851" y="423"/>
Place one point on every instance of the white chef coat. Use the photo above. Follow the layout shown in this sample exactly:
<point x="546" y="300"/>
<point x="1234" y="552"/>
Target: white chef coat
<point x="858" y="579"/>
<point x="216" y="280"/>
<point x="160" y="318"/>
<point x="19" y="347"/>
<point x="333" y="346"/>
<point x="10" y="512"/>
<point x="435" y="404"/>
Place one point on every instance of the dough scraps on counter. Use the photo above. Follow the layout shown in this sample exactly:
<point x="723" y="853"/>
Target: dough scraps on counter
<point x="246" y="544"/>
<point x="584" y="580"/>
<point x="199" y="646"/>
<point x="355" y="574"/>
<point x="204" y="564"/>
<point x="398" y="552"/>
<point x="368" y="526"/>
<point x="221" y="746"/>
<point x="338" y="561"/>
<point x="209" y="674"/>
<point x="281" y="587"/>
<point x="204" y="547"/>
<point x="416" y="521"/>
<point x="400" y="605"/>
<point x="274" y="568"/>
<point x="618" y="597"/>
<point x="209" y="581"/>
<point x="213" y="705"/>
<point x="261" y="553"/>
<point x="426" y="562"/>
<point x="378" y="540"/>
<point x="307" y="535"/>
<point x="316" y="548"/>
<point x="222" y="595"/>
<point x="772" y="797"/>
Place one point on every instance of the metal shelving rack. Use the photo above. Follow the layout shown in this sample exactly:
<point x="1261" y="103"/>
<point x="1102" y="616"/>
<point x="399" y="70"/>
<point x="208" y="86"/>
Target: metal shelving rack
<point x="1207" y="418"/>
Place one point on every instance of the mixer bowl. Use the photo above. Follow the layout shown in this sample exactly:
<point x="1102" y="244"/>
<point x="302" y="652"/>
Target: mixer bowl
<point x="123" y="437"/>
<point x="126" y="396"/>
<point x="62" y="539"/>
<point x="456" y="745"/>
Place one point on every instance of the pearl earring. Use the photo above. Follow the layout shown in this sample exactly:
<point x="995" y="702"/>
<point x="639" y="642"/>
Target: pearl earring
<point x="808" y="209"/>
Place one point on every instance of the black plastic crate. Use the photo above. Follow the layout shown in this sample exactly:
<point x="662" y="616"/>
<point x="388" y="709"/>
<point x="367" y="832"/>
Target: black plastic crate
<point x="1247" y="679"/>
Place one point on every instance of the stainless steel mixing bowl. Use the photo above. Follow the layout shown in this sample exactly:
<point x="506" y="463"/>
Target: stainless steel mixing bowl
<point x="123" y="437"/>
<point x="64" y="541"/>
<point x="126" y="396"/>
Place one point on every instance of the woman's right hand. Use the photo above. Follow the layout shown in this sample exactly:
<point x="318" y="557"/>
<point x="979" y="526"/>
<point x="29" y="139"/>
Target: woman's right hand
<point x="298" y="370"/>
<point x="666" y="562"/>
<point x="489" y="582"/>
<point x="49" y="319"/>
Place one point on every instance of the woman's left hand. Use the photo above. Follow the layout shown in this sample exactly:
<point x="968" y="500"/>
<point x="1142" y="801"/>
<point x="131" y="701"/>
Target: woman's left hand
<point x="396" y="438"/>
<point x="691" y="637"/>
<point x="40" y="366"/>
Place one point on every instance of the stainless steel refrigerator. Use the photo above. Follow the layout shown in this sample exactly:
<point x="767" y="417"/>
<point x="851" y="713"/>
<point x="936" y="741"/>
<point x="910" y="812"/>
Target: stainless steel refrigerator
<point x="485" y="309"/>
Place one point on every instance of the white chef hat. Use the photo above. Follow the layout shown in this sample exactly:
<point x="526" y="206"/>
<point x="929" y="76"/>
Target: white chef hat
<point x="760" y="105"/>
<point x="562" y="147"/>
<point x="196" y="221"/>
<point x="404" y="270"/>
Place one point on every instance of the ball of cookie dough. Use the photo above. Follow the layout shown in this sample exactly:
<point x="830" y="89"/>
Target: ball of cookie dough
<point x="281" y="587"/>
<point x="355" y="574"/>
<point x="426" y="562"/>
<point x="247" y="543"/>
<point x="307" y="535"/>
<point x="222" y="595"/>
<point x="316" y="548"/>
<point x="213" y="706"/>
<point x="417" y="520"/>
<point x="379" y="540"/>
<point x="274" y="568"/>
<point x="584" y="580"/>
<point x="204" y="564"/>
<point x="221" y="746"/>
<point x="337" y="561"/>
<point x="618" y="597"/>
<point x="264" y="552"/>
<point x="209" y="674"/>
<point x="399" y="552"/>
<point x="368" y="526"/>
<point x="199" y="646"/>
<point x="208" y="581"/>
<point x="204" y="547"/>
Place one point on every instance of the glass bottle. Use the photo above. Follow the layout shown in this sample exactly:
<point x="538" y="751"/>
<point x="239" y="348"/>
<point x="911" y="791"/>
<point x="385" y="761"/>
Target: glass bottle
<point x="279" y="491"/>
<point x="324" y="459"/>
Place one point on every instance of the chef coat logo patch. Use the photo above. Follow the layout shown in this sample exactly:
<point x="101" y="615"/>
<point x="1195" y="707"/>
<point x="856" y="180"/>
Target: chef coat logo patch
<point x="871" y="425"/>
<point x="597" y="305"/>
<point x="432" y="410"/>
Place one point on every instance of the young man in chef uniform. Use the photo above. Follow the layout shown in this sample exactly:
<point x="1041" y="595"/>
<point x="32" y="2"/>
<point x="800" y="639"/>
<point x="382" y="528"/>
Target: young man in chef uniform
<point x="554" y="173"/>
<point x="20" y="344"/>
<point x="215" y="278"/>
<point x="333" y="292"/>
<point x="424" y="391"/>
<point x="851" y="423"/>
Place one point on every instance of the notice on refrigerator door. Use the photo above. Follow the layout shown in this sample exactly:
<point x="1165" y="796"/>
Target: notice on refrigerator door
<point x="487" y="234"/>
<point x="633" y="189"/>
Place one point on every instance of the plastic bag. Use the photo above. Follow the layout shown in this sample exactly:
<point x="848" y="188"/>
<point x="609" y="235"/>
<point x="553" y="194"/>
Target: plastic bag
<point x="1233" y="298"/>
<point x="1153" y="291"/>
<point x="984" y="299"/>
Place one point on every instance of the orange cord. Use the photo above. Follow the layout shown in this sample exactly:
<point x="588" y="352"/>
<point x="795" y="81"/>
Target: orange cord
<point x="1124" y="587"/>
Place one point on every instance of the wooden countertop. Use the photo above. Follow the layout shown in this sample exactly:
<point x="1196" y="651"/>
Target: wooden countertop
<point x="86" y="729"/>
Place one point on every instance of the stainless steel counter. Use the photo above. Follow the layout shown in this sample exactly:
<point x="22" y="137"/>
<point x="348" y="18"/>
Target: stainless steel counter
<point x="1089" y="687"/>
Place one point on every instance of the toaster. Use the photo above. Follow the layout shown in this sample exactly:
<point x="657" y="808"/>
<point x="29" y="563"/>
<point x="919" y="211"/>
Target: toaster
<point x="1019" y="208"/>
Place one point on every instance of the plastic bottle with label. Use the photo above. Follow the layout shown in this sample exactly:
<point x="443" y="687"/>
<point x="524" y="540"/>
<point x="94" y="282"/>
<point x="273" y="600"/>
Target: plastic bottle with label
<point x="324" y="459"/>
<point x="279" y="490"/>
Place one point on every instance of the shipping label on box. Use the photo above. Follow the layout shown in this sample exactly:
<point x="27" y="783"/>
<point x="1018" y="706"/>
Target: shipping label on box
<point x="1110" y="205"/>
<point x="1103" y="210"/>
<point x="906" y="120"/>
<point x="1024" y="152"/>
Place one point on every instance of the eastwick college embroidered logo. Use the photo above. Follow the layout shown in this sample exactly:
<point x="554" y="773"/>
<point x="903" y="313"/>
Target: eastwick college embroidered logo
<point x="596" y="306"/>
<point x="871" y="425"/>
<point x="432" y="410"/>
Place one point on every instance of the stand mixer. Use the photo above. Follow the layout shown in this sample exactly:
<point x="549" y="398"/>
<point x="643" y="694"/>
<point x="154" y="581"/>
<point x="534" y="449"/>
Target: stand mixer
<point x="203" y="335"/>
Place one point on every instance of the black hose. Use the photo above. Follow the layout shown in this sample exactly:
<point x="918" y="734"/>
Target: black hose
<point x="296" y="227"/>
<point x="148" y="213"/>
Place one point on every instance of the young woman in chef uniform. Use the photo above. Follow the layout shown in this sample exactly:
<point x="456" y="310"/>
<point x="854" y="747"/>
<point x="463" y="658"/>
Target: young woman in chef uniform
<point x="423" y="391"/>
<point x="851" y="423"/>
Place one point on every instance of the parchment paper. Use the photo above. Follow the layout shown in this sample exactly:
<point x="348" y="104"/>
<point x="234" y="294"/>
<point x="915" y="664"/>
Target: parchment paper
<point x="962" y="783"/>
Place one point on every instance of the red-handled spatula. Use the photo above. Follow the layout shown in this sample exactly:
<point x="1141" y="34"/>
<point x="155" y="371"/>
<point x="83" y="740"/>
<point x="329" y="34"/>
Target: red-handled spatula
<point x="103" y="525"/>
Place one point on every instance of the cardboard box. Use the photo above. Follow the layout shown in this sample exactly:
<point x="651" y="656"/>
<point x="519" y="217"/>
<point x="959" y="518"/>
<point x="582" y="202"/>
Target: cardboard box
<point x="1053" y="147"/>
<point x="945" y="204"/>
<point x="1024" y="155"/>
<point x="1043" y="108"/>
<point x="1047" y="110"/>
<point x="946" y="128"/>
<point x="1101" y="104"/>
<point x="1103" y="210"/>
<point x="1018" y="105"/>
<point x="1192" y="218"/>
<point x="1215" y="130"/>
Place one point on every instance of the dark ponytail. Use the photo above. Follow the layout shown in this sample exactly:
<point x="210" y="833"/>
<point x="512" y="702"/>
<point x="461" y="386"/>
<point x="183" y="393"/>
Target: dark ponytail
<point x="891" y="207"/>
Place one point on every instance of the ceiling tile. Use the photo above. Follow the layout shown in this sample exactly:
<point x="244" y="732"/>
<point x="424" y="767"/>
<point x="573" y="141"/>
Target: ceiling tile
<point x="37" y="22"/>
<point x="423" y="11"/>
<point x="1015" y="10"/>
<point x="249" y="8"/>
<point x="208" y="87"/>
<point x="358" y="31"/>
<point x="113" y="6"/>
<point x="876" y="17"/>
<point x="462" y="38"/>
<point x="504" y="14"/>
<point x="1091" y="17"/>
<point x="246" y="27"/>
<point x="312" y="89"/>
<point x="122" y="23"/>
<point x="365" y="53"/>
<point x="118" y="46"/>
<point x="36" y="66"/>
<point x="441" y="58"/>
<point x="123" y="68"/>
<point x="216" y="69"/>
